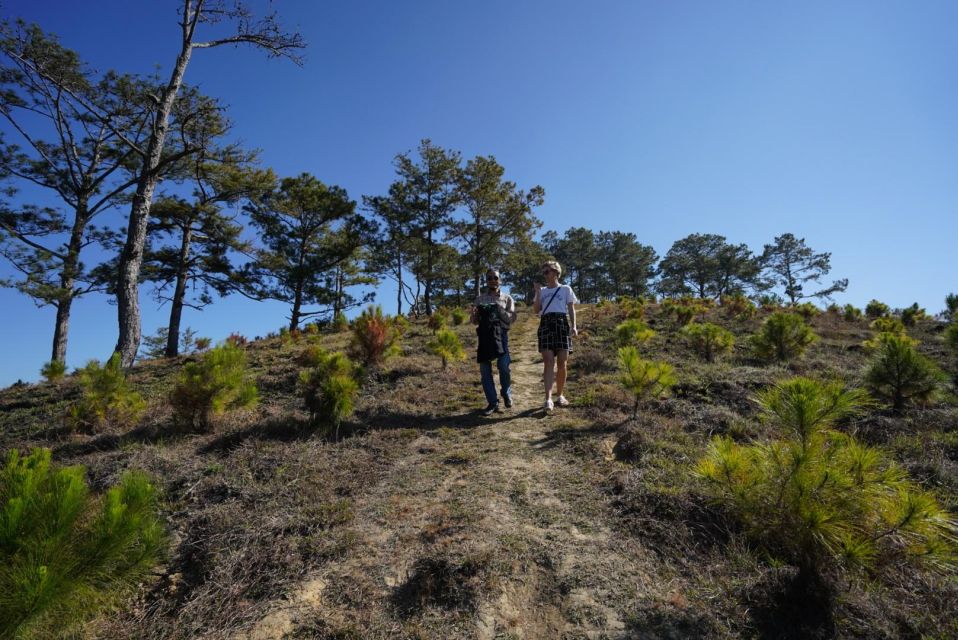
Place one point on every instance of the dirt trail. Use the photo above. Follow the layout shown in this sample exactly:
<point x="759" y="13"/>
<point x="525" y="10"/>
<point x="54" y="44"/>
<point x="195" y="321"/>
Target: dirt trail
<point x="489" y="531"/>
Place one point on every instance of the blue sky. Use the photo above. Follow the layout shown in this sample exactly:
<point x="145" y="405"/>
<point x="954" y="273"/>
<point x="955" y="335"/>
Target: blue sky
<point x="835" y="121"/>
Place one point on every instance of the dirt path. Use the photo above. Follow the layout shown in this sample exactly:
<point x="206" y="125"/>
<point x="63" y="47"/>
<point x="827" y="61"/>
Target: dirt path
<point x="490" y="531"/>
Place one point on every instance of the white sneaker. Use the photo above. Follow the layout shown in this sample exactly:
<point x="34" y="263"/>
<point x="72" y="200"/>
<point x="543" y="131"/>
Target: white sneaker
<point x="562" y="402"/>
<point x="548" y="405"/>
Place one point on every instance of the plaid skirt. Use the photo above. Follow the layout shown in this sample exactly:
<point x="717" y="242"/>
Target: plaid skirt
<point x="554" y="333"/>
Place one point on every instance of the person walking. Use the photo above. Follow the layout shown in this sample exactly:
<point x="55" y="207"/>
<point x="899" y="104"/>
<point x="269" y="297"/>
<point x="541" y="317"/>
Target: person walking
<point x="494" y="312"/>
<point x="555" y="304"/>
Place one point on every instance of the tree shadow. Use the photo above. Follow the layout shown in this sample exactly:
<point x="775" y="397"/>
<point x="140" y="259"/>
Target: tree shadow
<point x="562" y="435"/>
<point x="279" y="429"/>
<point x="145" y="434"/>
<point x="467" y="420"/>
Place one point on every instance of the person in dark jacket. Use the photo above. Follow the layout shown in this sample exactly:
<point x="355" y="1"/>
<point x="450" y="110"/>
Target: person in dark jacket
<point x="493" y="313"/>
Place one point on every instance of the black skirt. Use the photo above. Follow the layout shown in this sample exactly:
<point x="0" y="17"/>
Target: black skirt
<point x="554" y="333"/>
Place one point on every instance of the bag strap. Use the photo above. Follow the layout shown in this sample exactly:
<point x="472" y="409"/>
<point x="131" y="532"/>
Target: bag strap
<point x="554" y="294"/>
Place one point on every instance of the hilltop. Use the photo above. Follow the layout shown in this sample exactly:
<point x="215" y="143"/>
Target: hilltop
<point x="426" y="520"/>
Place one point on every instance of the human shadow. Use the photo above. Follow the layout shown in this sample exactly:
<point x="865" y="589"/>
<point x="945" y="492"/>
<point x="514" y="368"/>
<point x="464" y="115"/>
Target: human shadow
<point x="466" y="420"/>
<point x="562" y="435"/>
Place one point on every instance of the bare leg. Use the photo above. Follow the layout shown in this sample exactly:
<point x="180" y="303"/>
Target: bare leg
<point x="548" y="372"/>
<point x="561" y="358"/>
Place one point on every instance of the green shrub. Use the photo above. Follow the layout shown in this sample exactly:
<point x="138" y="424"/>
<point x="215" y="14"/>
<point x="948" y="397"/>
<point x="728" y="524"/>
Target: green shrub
<point x="239" y="340"/>
<point x="876" y="309"/>
<point x="899" y="375"/>
<point x="807" y="310"/>
<point x="851" y="313"/>
<point x="459" y="316"/>
<point x="329" y="389"/>
<point x="884" y="327"/>
<point x="309" y="356"/>
<point x="783" y="336"/>
<point x="375" y="337"/>
<point x="632" y="332"/>
<point x="447" y="346"/>
<point x="634" y="308"/>
<point x="771" y="301"/>
<point x="913" y="314"/>
<point x="54" y="370"/>
<point x="644" y="378"/>
<point x="401" y="325"/>
<point x="738" y="306"/>
<point x="437" y="321"/>
<point x="816" y="497"/>
<point x="65" y="554"/>
<point x="217" y="383"/>
<point x="951" y="338"/>
<point x="340" y="322"/>
<point x="107" y="398"/>
<point x="951" y="305"/>
<point x="709" y="340"/>
<point x="202" y="344"/>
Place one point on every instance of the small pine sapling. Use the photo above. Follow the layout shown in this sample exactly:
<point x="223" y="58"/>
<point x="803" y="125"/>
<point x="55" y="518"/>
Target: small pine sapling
<point x="401" y="325"/>
<point x="459" y="316"/>
<point x="54" y="370"/>
<point x="437" y="321"/>
<point x="64" y="554"/>
<point x="107" y="398"/>
<point x="738" y="306"/>
<point x="818" y="498"/>
<point x="899" y="375"/>
<point x="912" y="315"/>
<point x="644" y="378"/>
<point x="951" y="307"/>
<point x="633" y="332"/>
<point x="375" y="338"/>
<point x="202" y="344"/>
<point x="329" y="390"/>
<point x="340" y="322"/>
<point x="783" y="336"/>
<point x="876" y="309"/>
<point x="951" y="337"/>
<point x="447" y="346"/>
<point x="807" y="310"/>
<point x="851" y="313"/>
<point x="709" y="340"/>
<point x="217" y="383"/>
<point x="239" y="340"/>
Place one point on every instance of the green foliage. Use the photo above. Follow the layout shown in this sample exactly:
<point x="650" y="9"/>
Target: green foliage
<point x="685" y="309"/>
<point x="951" y="305"/>
<point x="632" y="333"/>
<point x="217" y="383"/>
<point x="876" y="309"/>
<point x="202" y="344"/>
<point x="447" y="346"/>
<point x="793" y="264"/>
<point x="329" y="389"/>
<point x="771" y="301"/>
<point x="644" y="378"/>
<point x="437" y="321"/>
<point x="807" y="310"/>
<point x="911" y="315"/>
<point x="401" y="325"/>
<point x="106" y="400"/>
<point x="899" y="375"/>
<point x="65" y="554"/>
<point x="340" y="322"/>
<point x="709" y="340"/>
<point x="634" y="307"/>
<point x="818" y="498"/>
<point x="851" y="313"/>
<point x="738" y="306"/>
<point x="783" y="336"/>
<point x="54" y="370"/>
<point x="459" y="316"/>
<point x="951" y="337"/>
<point x="239" y="340"/>
<point x="883" y="327"/>
<point x="375" y="338"/>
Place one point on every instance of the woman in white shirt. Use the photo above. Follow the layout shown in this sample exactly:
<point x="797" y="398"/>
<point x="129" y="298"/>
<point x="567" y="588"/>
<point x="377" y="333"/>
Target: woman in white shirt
<point x="555" y="305"/>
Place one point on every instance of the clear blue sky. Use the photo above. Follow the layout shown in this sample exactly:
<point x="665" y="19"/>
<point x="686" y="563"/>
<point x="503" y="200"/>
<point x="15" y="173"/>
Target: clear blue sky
<point x="836" y="121"/>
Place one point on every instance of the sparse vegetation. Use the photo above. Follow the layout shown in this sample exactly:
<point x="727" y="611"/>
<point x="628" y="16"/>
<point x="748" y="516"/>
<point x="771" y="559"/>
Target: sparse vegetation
<point x="216" y="384"/>
<point x="64" y="553"/>
<point x="107" y="399"/>
<point x="783" y="336"/>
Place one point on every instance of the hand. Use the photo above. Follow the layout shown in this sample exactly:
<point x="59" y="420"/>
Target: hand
<point x="575" y="331"/>
<point x="537" y="286"/>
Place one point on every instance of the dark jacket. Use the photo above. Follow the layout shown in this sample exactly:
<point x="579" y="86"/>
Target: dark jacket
<point x="490" y="332"/>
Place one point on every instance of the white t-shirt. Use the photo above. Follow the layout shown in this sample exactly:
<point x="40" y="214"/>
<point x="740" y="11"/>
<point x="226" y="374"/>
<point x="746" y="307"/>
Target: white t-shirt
<point x="558" y="304"/>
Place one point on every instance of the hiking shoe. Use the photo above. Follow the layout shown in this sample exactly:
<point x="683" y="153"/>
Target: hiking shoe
<point x="507" y="400"/>
<point x="548" y="406"/>
<point x="562" y="402"/>
<point x="491" y="409"/>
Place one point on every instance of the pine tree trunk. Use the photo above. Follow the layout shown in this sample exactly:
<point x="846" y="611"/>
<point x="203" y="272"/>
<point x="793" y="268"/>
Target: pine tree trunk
<point x="399" y="281"/>
<point x="68" y="275"/>
<point x="179" y="294"/>
<point x="297" y="307"/>
<point x="131" y="258"/>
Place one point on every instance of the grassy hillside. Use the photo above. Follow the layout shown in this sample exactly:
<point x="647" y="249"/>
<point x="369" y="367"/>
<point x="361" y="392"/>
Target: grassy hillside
<point x="426" y="520"/>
